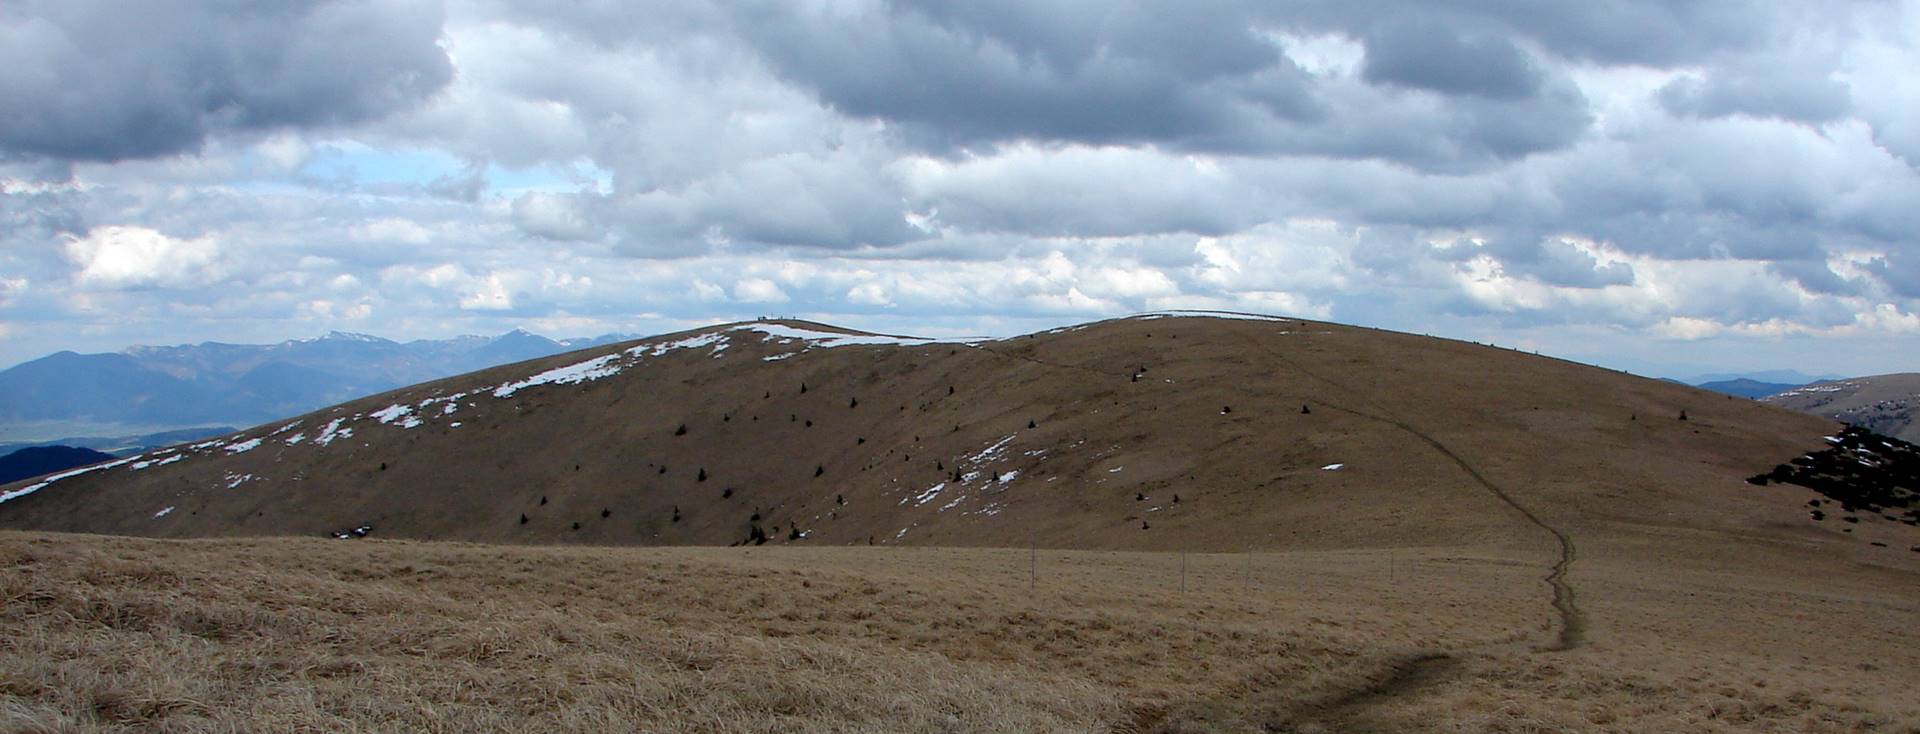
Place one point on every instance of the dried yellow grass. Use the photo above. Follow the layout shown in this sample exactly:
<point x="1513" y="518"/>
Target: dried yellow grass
<point x="105" y="634"/>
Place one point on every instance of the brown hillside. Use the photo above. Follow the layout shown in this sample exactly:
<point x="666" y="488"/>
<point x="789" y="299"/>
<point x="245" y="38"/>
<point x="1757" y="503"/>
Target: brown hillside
<point x="1508" y="542"/>
<point x="1883" y="403"/>
<point x="1054" y="438"/>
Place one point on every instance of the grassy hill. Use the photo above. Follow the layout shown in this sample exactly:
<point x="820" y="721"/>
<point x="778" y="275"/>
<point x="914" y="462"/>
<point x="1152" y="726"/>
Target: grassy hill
<point x="1219" y="523"/>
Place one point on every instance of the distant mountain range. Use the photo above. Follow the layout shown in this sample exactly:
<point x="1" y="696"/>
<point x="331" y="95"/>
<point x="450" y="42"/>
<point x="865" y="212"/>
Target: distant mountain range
<point x="146" y="389"/>
<point x="121" y="445"/>
<point x="1882" y="403"/>
<point x="1746" y="388"/>
<point x="1791" y="378"/>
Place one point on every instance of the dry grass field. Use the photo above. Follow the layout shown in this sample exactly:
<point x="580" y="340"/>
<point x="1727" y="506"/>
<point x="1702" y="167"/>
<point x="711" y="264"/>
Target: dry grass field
<point x="119" y="634"/>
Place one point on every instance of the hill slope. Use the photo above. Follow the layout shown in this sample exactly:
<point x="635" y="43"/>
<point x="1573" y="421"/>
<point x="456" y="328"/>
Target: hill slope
<point x="700" y="437"/>
<point x="1883" y="403"/>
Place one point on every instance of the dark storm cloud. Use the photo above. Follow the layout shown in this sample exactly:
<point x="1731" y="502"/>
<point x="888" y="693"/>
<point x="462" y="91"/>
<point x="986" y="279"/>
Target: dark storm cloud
<point x="1816" y="277"/>
<point x="1436" y="58"/>
<point x="1659" y="33"/>
<point x="1786" y="93"/>
<point x="1037" y="70"/>
<point x="1211" y="78"/>
<point x="111" y="81"/>
<point x="1900" y="270"/>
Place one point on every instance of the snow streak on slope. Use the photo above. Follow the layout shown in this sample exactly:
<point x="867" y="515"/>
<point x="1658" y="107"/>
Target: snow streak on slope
<point x="31" y="488"/>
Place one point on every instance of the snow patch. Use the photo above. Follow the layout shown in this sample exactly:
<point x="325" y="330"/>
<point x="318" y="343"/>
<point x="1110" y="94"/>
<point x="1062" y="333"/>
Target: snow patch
<point x="163" y="512"/>
<point x="138" y="465"/>
<point x="692" y="342"/>
<point x="295" y="439"/>
<point x="332" y="431"/>
<point x="927" y="496"/>
<point x="1332" y="467"/>
<point x="991" y="453"/>
<point x="573" y="374"/>
<point x="391" y="413"/>
<point x="243" y="446"/>
<point x="235" y="480"/>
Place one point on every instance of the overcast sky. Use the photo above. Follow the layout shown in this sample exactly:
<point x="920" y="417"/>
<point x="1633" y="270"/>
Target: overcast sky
<point x="1663" y="186"/>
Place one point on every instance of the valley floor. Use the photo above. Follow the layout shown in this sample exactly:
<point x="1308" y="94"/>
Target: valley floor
<point x="117" y="634"/>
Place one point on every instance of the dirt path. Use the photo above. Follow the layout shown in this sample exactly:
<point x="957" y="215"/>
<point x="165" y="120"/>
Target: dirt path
<point x="1572" y="625"/>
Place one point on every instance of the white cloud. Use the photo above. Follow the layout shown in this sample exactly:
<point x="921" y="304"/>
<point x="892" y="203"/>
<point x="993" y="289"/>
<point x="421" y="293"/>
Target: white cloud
<point x="489" y="294"/>
<point x="758" y="290"/>
<point x="392" y="229"/>
<point x="134" y="257"/>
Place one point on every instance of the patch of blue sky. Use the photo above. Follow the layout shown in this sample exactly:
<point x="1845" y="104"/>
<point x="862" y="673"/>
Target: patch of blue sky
<point x="577" y="176"/>
<point x="352" y="164"/>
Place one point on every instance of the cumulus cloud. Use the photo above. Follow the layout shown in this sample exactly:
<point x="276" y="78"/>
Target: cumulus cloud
<point x="758" y="290"/>
<point x="135" y="257"/>
<point x="1573" y="174"/>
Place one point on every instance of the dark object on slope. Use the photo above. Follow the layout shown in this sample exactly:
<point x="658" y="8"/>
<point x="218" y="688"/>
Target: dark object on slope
<point x="38" y="460"/>
<point x="1863" y="470"/>
<point x="359" y="532"/>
